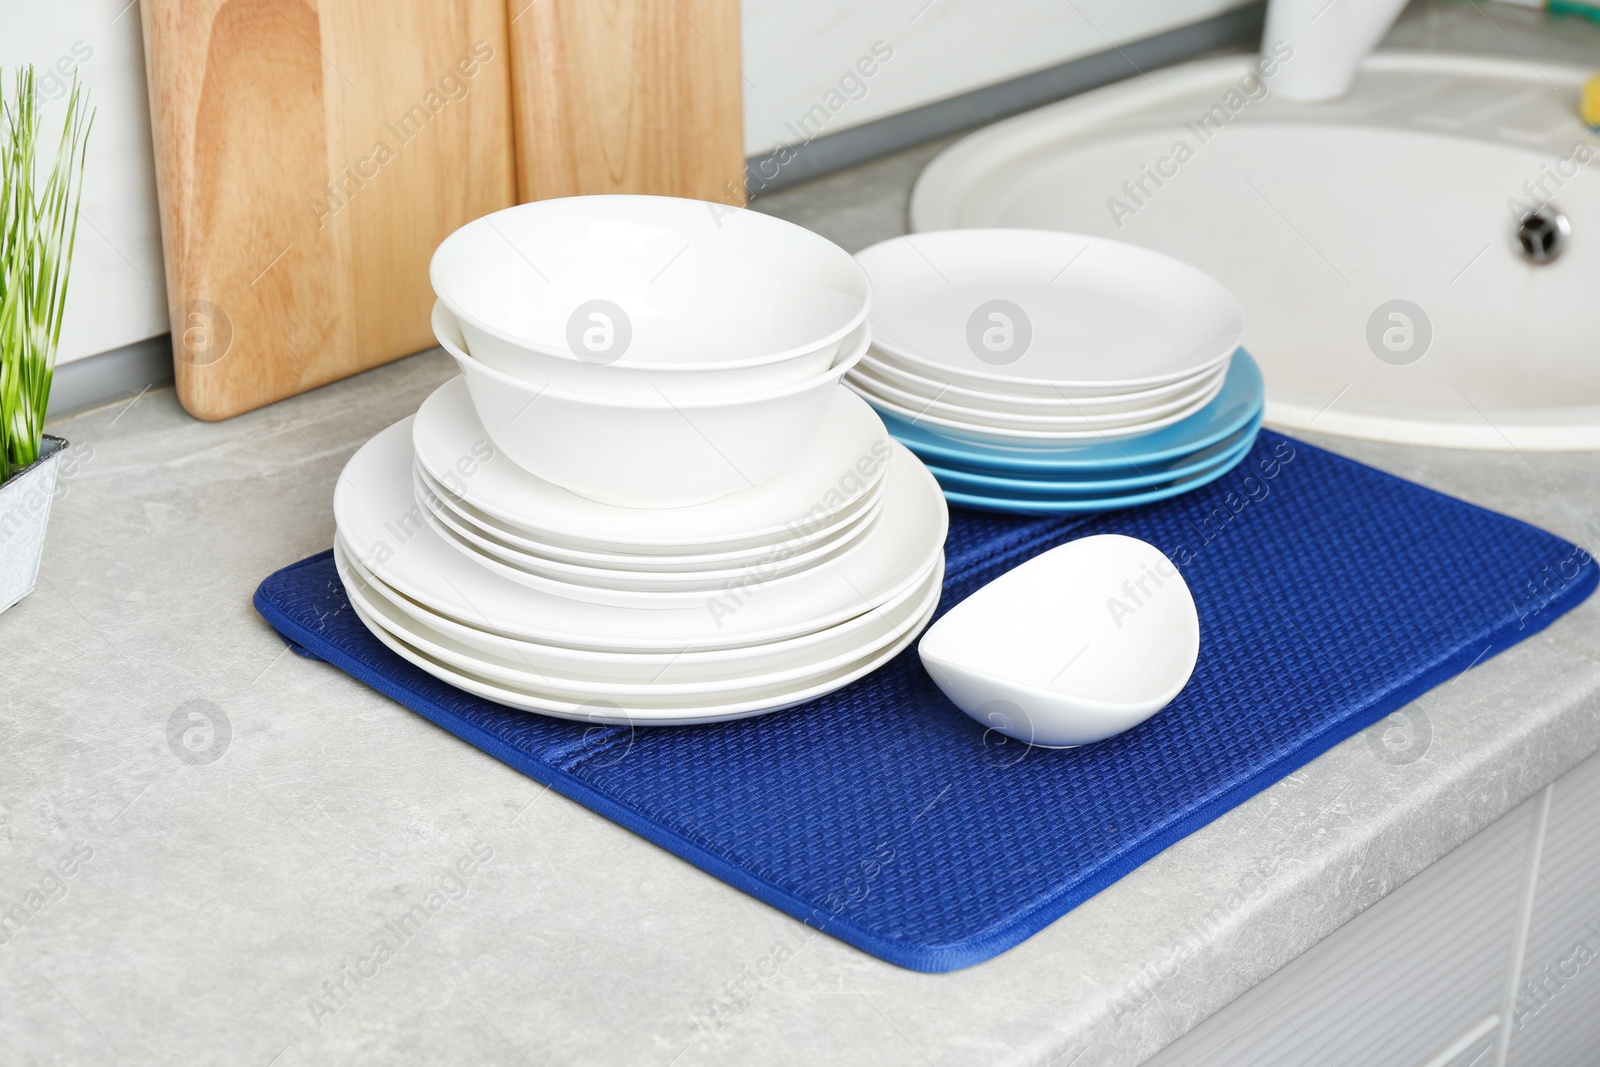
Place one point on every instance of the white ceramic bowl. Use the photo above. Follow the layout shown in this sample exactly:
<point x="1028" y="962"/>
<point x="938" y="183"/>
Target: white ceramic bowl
<point x="989" y="432"/>
<point x="800" y="545"/>
<point x="626" y="283"/>
<point x="1052" y="401"/>
<point x="1079" y="643"/>
<point x="647" y="453"/>
<point x="649" y="382"/>
<point x="996" y="308"/>
<point x="631" y="595"/>
<point x="632" y="589"/>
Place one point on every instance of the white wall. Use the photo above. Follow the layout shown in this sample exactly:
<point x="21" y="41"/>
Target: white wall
<point x="117" y="294"/>
<point x="796" y="51"/>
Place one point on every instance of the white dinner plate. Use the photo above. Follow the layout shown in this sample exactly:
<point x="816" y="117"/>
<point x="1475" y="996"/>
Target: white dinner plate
<point x="377" y="513"/>
<point x="848" y="455"/>
<point x="689" y="714"/>
<point x="812" y="541"/>
<point x="635" y="667"/>
<point x="528" y="676"/>
<point x="1042" y="306"/>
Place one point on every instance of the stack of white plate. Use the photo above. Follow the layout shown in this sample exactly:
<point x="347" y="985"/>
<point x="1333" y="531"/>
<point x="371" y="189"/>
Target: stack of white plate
<point x="987" y="345"/>
<point x="1017" y="336"/>
<point x="549" y="535"/>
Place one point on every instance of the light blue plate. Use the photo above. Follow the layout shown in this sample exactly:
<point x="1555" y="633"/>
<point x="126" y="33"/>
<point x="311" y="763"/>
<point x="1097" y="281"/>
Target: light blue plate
<point x="1098" y="483"/>
<point x="1234" y="407"/>
<point x="1020" y="505"/>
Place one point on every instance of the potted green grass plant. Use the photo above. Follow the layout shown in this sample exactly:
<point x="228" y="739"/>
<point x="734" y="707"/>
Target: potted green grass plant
<point x="38" y="226"/>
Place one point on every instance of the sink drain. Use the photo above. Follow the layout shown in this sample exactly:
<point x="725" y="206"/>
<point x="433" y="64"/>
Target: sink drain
<point x="1542" y="235"/>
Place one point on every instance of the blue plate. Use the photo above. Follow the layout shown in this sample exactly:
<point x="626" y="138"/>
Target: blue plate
<point x="1098" y="483"/>
<point x="1239" y="402"/>
<point x="1022" y="505"/>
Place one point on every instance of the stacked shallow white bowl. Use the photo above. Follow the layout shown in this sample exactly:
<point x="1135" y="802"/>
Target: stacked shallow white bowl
<point x="647" y="499"/>
<point x="1019" y="338"/>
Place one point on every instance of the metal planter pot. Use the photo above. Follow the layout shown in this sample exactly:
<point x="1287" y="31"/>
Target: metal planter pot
<point x="24" y="510"/>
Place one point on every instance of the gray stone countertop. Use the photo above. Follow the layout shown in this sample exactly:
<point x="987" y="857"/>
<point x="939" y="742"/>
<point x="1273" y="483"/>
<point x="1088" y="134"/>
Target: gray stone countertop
<point x="227" y="912"/>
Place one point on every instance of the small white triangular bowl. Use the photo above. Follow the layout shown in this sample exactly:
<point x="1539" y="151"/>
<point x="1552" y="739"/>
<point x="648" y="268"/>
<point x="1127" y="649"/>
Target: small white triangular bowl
<point x="1074" y="646"/>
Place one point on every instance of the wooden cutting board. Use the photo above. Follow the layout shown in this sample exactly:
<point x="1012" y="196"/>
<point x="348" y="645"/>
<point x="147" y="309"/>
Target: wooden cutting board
<point x="628" y="96"/>
<point x="310" y="155"/>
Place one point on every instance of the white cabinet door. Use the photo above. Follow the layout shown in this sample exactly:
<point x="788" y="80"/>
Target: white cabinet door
<point x="1397" y="984"/>
<point x="1555" y="1020"/>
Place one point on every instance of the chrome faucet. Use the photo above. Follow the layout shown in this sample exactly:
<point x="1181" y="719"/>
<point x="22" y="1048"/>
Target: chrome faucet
<point x="1328" y="38"/>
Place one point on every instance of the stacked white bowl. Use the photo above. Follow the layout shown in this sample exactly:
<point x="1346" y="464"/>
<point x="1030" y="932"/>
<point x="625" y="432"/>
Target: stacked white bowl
<point x="647" y="499"/>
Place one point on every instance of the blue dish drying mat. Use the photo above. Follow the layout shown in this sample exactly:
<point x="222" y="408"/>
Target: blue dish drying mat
<point x="1329" y="593"/>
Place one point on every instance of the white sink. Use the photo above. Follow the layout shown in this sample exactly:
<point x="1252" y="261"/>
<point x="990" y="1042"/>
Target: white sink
<point x="1321" y="217"/>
